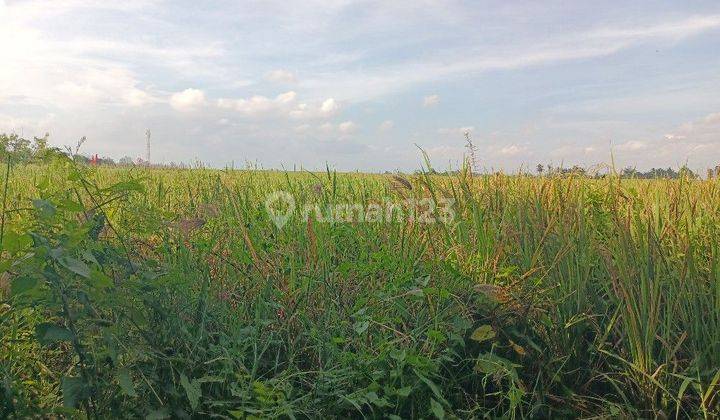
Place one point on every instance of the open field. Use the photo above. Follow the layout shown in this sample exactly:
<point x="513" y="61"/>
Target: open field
<point x="132" y="292"/>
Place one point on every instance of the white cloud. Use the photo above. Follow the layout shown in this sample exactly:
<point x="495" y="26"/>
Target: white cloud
<point x="327" y="108"/>
<point x="258" y="104"/>
<point x="674" y="30"/>
<point x="100" y="77"/>
<point x="302" y="128"/>
<point x="694" y="143"/>
<point x="431" y="100"/>
<point x="631" y="146"/>
<point x="386" y="125"/>
<point x="75" y="68"/>
<point x="188" y="100"/>
<point x="542" y="49"/>
<point x="512" y="150"/>
<point x="705" y="130"/>
<point x="137" y="97"/>
<point x="347" y="127"/>
<point x="281" y="76"/>
<point x="456" y="131"/>
<point x="713" y="118"/>
<point x="327" y="129"/>
<point x="286" y="98"/>
<point x="38" y="72"/>
<point x="439" y="154"/>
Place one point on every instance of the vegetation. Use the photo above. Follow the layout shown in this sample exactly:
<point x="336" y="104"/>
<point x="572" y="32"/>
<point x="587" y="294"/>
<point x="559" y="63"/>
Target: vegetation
<point x="150" y="292"/>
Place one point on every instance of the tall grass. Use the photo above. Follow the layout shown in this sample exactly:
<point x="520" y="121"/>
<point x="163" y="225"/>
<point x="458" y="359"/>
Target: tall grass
<point x="543" y="297"/>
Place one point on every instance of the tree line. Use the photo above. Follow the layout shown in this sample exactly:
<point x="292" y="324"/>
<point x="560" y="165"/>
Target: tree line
<point x="21" y="150"/>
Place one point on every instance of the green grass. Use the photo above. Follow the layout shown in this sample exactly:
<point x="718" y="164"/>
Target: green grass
<point x="170" y="293"/>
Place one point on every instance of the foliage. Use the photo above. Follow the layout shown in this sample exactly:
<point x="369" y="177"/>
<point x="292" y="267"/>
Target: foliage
<point x="158" y="293"/>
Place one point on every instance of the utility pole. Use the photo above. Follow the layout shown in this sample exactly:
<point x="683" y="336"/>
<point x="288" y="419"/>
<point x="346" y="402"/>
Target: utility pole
<point x="147" y="141"/>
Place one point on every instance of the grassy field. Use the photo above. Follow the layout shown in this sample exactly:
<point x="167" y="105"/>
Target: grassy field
<point x="134" y="292"/>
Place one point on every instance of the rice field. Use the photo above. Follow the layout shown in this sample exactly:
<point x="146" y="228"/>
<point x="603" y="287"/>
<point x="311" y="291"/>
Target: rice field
<point x="175" y="293"/>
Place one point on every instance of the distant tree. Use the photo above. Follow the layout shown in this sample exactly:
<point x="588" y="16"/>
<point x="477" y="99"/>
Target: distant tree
<point x="578" y="170"/>
<point x="629" y="172"/>
<point x="81" y="159"/>
<point x="16" y="147"/>
<point x="540" y="168"/>
<point x="686" y="172"/>
<point x="41" y="150"/>
<point x="40" y="144"/>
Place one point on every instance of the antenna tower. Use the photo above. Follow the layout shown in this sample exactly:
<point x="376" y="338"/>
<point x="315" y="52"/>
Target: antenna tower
<point x="147" y="145"/>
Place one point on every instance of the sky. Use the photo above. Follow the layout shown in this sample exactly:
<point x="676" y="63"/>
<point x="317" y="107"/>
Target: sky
<point x="364" y="84"/>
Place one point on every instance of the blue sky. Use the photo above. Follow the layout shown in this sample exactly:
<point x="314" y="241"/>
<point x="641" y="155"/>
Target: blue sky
<point x="357" y="83"/>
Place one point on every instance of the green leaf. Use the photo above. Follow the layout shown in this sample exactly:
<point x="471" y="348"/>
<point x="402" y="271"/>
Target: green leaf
<point x="491" y="364"/>
<point x="433" y="387"/>
<point x="373" y="398"/>
<point x="48" y="333"/>
<point x="126" y="186"/>
<point x="137" y="316"/>
<point x="483" y="333"/>
<point x="436" y="336"/>
<point x="99" y="279"/>
<point x="192" y="390"/>
<point x="680" y="394"/>
<point x="23" y="284"/>
<point x="437" y="409"/>
<point x="89" y="257"/>
<point x="484" y="365"/>
<point x="73" y="390"/>
<point x="76" y="266"/>
<point x="14" y="242"/>
<point x="45" y="208"/>
<point x="157" y="414"/>
<point x="361" y="326"/>
<point x="404" y="391"/>
<point x="43" y="184"/>
<point x="211" y="379"/>
<point x="126" y="383"/>
<point x="70" y="205"/>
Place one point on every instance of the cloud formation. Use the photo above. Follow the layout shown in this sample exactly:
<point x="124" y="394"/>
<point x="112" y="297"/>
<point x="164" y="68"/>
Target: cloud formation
<point x="327" y="108"/>
<point x="431" y="100"/>
<point x="259" y="105"/>
<point x="347" y="127"/>
<point x="386" y="125"/>
<point x="241" y="80"/>
<point x="281" y="76"/>
<point x="188" y="100"/>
